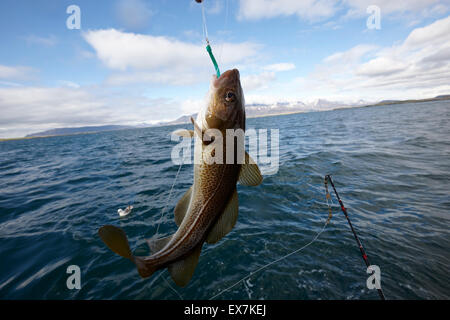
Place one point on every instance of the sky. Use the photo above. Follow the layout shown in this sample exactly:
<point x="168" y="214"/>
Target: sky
<point x="143" y="61"/>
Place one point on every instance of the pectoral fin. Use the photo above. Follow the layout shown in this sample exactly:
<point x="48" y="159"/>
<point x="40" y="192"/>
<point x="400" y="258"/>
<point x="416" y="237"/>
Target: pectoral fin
<point x="226" y="221"/>
<point x="197" y="129"/>
<point x="202" y="135"/>
<point x="250" y="175"/>
<point x="182" y="206"/>
<point x="182" y="270"/>
<point x="184" y="133"/>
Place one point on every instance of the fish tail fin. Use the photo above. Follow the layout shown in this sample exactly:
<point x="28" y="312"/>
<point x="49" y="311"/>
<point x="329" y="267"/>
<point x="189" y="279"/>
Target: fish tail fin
<point x="116" y="240"/>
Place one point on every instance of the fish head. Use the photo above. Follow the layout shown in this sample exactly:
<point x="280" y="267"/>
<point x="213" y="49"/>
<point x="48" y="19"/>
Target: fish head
<point x="226" y="106"/>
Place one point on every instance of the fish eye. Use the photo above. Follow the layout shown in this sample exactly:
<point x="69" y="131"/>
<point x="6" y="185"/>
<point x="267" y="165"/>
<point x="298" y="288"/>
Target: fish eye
<point x="230" y="96"/>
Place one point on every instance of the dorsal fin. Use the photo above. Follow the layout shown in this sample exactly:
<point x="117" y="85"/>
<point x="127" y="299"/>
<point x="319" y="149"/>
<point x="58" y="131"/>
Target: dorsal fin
<point x="226" y="221"/>
<point x="182" y="206"/>
<point x="250" y="175"/>
<point x="182" y="270"/>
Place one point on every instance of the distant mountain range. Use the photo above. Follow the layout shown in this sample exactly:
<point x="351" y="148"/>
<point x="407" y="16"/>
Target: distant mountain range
<point x="437" y="98"/>
<point x="260" y="109"/>
<point x="78" y="130"/>
<point x="252" y="111"/>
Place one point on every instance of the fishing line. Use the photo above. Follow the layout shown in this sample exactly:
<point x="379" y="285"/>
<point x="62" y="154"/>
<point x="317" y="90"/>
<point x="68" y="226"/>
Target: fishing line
<point x="273" y="262"/>
<point x="168" y="198"/>
<point x="328" y="197"/>
<point x="205" y="29"/>
<point x="173" y="289"/>
<point x="160" y="220"/>
<point x="208" y="47"/>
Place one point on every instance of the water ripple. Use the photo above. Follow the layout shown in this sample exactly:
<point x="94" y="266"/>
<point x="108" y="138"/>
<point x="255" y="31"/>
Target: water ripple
<point x="390" y="164"/>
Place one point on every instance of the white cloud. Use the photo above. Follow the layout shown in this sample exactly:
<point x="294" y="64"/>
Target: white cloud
<point x="317" y="10"/>
<point x="156" y="77"/>
<point x="432" y="34"/>
<point x="133" y="14"/>
<point x="257" y="81"/>
<point x="191" y="106"/>
<point x="49" y="41"/>
<point x="381" y="66"/>
<point x="350" y="56"/>
<point x="357" y="8"/>
<point x="34" y="105"/>
<point x="192" y="34"/>
<point x="16" y="73"/>
<point x="10" y="84"/>
<point x="120" y="50"/>
<point x="214" y="7"/>
<point x="27" y="110"/>
<point x="132" y="58"/>
<point x="259" y="98"/>
<point x="417" y="67"/>
<point x="310" y="10"/>
<point x="69" y="84"/>
<point x="158" y="59"/>
<point x="278" y="67"/>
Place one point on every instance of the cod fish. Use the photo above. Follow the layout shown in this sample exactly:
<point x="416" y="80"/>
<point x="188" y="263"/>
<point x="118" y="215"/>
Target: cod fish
<point x="209" y="208"/>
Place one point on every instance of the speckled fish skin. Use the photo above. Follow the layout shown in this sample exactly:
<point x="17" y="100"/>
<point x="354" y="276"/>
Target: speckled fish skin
<point x="214" y="184"/>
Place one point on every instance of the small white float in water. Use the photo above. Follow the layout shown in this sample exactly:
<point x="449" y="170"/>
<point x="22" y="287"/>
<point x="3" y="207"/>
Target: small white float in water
<point x="125" y="212"/>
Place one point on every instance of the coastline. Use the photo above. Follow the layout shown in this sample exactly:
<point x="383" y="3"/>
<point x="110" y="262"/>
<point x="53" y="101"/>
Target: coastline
<point x="386" y="103"/>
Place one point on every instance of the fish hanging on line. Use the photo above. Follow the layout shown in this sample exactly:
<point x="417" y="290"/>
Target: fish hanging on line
<point x="209" y="208"/>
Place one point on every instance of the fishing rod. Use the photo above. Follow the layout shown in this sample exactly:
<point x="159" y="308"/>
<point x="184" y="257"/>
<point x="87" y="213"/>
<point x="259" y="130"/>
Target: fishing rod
<point x="344" y="210"/>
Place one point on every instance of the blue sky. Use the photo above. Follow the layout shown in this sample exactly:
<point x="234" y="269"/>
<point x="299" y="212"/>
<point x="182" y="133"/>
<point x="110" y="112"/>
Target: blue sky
<point x="139" y="61"/>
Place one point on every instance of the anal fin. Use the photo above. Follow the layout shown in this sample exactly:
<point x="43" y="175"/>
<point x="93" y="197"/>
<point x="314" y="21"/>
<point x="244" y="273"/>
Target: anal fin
<point x="183" y="270"/>
<point x="226" y="221"/>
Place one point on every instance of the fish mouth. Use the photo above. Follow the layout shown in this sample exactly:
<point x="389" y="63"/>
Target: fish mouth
<point x="230" y="74"/>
